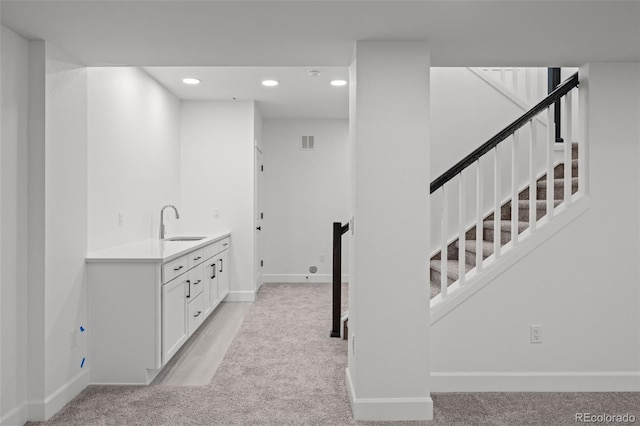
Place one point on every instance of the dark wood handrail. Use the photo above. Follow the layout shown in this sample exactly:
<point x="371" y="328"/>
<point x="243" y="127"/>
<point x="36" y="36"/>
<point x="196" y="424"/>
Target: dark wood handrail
<point x="338" y="230"/>
<point x="553" y="97"/>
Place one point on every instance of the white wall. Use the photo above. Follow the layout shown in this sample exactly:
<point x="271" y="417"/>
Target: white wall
<point x="582" y="285"/>
<point x="466" y="112"/>
<point x="217" y="163"/>
<point x="134" y="156"/>
<point x="305" y="192"/>
<point x="387" y="378"/>
<point x="13" y="210"/>
<point x="65" y="222"/>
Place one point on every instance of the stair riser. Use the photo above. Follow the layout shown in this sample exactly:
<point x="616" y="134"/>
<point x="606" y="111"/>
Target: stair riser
<point x="523" y="213"/>
<point x="558" y="192"/>
<point x="558" y="172"/>
<point x="505" y="235"/>
<point x="435" y="277"/>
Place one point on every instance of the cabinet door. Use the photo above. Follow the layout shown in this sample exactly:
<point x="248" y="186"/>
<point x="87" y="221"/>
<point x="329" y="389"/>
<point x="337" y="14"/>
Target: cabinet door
<point x="195" y="313"/>
<point x="223" y="275"/>
<point x="210" y="285"/>
<point x="174" y="317"/>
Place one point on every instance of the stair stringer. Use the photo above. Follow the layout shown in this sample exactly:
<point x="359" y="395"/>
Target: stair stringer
<point x="509" y="255"/>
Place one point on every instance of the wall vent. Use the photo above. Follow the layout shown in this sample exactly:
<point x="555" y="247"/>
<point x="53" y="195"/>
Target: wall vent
<point x="307" y="143"/>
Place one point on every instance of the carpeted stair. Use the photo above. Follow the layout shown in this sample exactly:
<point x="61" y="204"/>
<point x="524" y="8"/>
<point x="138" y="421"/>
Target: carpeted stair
<point x="488" y="231"/>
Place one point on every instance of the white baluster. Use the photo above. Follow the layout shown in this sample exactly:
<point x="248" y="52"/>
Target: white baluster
<point x="567" y="149"/>
<point x="533" y="194"/>
<point x="514" y="79"/>
<point x="514" y="190"/>
<point x="496" y="209"/>
<point x="479" y="200"/>
<point x="528" y="84"/>
<point x="551" y="138"/>
<point x="462" y="246"/>
<point x="583" y="144"/>
<point x="503" y="76"/>
<point x="443" y="246"/>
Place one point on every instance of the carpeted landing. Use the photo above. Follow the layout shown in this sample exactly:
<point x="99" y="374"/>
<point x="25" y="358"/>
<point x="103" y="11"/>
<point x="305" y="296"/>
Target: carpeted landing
<point x="283" y="368"/>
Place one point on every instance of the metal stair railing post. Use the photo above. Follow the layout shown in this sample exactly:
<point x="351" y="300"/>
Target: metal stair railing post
<point x="338" y="231"/>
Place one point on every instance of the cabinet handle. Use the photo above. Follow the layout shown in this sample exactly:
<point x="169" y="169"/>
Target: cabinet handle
<point x="189" y="289"/>
<point x="213" y="266"/>
<point x="221" y="265"/>
<point x="178" y="268"/>
<point x="197" y="282"/>
<point x="197" y="314"/>
<point x="226" y="244"/>
<point x="197" y="258"/>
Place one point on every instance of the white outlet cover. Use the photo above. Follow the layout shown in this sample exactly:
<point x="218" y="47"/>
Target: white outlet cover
<point x="536" y="333"/>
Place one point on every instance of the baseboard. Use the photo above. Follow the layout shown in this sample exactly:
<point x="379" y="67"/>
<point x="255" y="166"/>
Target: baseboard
<point x="389" y="409"/>
<point x="544" y="381"/>
<point x="301" y="278"/>
<point x="15" y="417"/>
<point x="241" y="296"/>
<point x="44" y="410"/>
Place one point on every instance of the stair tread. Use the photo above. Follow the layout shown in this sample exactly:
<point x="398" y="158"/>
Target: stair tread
<point x="505" y="225"/>
<point x="452" y="267"/>
<point x="557" y="182"/>
<point x="540" y="204"/>
<point x="487" y="246"/>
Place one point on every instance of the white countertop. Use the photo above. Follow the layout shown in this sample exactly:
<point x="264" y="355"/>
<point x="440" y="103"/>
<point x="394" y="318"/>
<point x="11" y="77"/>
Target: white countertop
<point x="152" y="250"/>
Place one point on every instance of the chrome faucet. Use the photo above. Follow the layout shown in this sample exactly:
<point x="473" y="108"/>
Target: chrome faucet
<point x="162" y="218"/>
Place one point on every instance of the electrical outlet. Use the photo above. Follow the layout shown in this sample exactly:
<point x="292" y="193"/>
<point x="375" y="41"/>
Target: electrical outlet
<point x="536" y="333"/>
<point x="73" y="338"/>
<point x="322" y="258"/>
<point x="120" y="219"/>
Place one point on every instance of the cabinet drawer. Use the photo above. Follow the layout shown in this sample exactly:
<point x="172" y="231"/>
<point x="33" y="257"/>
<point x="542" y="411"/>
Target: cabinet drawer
<point x="196" y="257"/>
<point x="195" y="313"/>
<point x="211" y="250"/>
<point x="174" y="268"/>
<point x="196" y="282"/>
<point x="225" y="243"/>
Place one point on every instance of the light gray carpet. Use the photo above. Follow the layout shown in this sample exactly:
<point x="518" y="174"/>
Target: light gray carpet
<point x="283" y="368"/>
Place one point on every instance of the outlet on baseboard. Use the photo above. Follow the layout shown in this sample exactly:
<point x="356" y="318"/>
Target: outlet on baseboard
<point x="535" y="332"/>
<point x="73" y="338"/>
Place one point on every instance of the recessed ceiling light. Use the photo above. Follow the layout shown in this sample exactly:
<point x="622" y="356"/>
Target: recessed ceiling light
<point x="270" y="83"/>
<point x="191" y="81"/>
<point x="338" y="82"/>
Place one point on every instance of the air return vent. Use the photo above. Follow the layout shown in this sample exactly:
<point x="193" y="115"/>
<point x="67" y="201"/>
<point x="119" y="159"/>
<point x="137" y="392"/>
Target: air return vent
<point x="307" y="143"/>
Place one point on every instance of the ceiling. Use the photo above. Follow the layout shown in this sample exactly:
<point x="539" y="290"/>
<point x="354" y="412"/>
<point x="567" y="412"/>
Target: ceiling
<point x="297" y="96"/>
<point x="317" y="33"/>
<point x="294" y="36"/>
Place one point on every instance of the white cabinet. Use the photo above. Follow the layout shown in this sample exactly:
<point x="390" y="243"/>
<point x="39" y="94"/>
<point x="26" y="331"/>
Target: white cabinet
<point x="195" y="313"/>
<point x="174" y="316"/>
<point x="210" y="285"/>
<point x="223" y="275"/>
<point x="143" y="309"/>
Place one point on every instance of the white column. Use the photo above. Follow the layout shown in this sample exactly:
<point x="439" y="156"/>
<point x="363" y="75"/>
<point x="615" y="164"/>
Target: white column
<point x="388" y="367"/>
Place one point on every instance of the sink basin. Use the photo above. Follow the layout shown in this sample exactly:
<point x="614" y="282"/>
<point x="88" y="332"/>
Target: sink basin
<point x="184" y="238"/>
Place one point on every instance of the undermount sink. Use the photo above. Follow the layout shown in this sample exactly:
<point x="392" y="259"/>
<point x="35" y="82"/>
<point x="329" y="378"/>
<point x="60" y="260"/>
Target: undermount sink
<point x="184" y="238"/>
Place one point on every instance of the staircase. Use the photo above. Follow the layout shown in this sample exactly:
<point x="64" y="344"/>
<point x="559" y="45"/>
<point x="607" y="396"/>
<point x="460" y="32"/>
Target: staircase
<point x="534" y="195"/>
<point x="489" y="224"/>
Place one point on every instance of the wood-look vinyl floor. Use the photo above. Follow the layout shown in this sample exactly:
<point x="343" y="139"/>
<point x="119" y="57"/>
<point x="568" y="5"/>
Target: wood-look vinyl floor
<point x="197" y="361"/>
